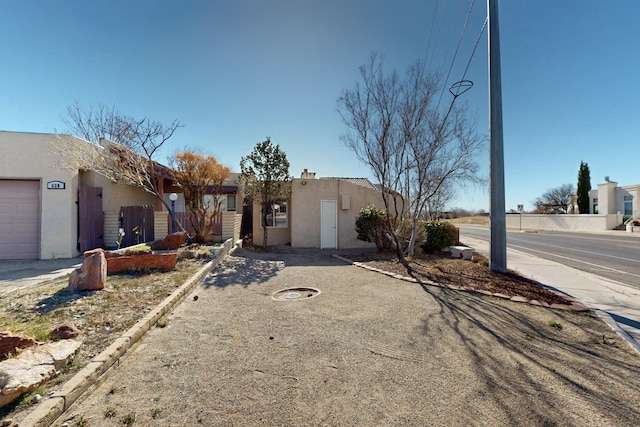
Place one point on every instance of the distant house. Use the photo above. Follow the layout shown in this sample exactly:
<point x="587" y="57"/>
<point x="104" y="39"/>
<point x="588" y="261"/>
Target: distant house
<point x="610" y="207"/>
<point x="48" y="210"/>
<point x="608" y="199"/>
<point x="229" y="219"/>
<point x="321" y="213"/>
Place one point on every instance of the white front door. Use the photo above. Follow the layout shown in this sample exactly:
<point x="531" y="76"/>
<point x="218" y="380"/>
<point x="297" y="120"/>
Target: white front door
<point x="329" y="224"/>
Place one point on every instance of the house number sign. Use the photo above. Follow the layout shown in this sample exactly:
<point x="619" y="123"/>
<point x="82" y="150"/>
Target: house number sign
<point x="56" y="185"/>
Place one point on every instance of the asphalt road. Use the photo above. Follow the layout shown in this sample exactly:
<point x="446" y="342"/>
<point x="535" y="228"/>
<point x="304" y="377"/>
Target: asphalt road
<point x="611" y="255"/>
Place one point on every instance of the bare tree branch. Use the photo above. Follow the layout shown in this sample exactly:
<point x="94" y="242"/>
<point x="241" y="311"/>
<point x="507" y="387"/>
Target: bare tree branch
<point x="124" y="147"/>
<point x="412" y="149"/>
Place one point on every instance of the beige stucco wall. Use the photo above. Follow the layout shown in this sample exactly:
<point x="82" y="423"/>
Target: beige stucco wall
<point x="39" y="156"/>
<point x="28" y="156"/>
<point x="275" y="236"/>
<point x="116" y="195"/>
<point x="305" y="212"/>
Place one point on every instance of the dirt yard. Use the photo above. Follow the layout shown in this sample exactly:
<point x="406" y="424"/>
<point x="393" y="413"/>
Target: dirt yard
<point x="367" y="349"/>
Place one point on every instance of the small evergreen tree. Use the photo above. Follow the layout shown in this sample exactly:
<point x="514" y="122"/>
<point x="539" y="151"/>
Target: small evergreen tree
<point x="584" y="186"/>
<point x="265" y="174"/>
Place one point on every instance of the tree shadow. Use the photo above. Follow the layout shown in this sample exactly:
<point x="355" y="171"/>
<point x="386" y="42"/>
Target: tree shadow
<point x="538" y="360"/>
<point x="60" y="298"/>
<point x="243" y="267"/>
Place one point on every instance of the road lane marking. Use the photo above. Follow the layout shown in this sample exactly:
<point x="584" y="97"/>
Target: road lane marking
<point x="603" y="267"/>
<point x="577" y="250"/>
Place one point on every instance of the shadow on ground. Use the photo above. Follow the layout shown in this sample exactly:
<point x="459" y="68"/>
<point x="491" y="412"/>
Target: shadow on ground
<point x="247" y="267"/>
<point x="537" y="357"/>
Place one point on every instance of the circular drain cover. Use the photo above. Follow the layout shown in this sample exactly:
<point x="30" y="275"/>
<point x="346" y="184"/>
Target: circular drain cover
<point x="290" y="294"/>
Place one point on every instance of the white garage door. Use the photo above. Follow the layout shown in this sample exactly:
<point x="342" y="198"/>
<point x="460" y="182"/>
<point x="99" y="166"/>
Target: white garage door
<point x="19" y="219"/>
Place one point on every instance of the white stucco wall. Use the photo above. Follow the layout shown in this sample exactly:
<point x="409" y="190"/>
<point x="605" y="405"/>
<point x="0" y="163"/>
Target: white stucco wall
<point x="611" y="198"/>
<point x="564" y="222"/>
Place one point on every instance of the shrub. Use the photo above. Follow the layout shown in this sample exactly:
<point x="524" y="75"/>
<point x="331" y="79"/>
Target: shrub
<point x="439" y="236"/>
<point x="371" y="226"/>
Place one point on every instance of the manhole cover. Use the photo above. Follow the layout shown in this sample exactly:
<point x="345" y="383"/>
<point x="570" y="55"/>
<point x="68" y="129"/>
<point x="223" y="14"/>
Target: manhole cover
<point x="291" y="294"/>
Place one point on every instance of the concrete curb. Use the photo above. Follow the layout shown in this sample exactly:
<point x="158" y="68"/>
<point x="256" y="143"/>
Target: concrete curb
<point x="575" y="304"/>
<point x="606" y="318"/>
<point x="49" y="410"/>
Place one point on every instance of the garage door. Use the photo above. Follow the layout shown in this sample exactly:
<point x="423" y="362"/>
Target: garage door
<point x="19" y="219"/>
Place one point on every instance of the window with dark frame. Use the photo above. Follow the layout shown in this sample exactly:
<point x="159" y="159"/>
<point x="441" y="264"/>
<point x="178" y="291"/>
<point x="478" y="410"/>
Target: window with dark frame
<point x="231" y="202"/>
<point x="277" y="215"/>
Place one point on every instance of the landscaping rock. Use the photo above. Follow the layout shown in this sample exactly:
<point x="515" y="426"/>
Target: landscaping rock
<point x="65" y="331"/>
<point x="141" y="262"/>
<point x="92" y="275"/>
<point x="33" y="367"/>
<point x="10" y="344"/>
<point x="88" y="253"/>
<point x="171" y="242"/>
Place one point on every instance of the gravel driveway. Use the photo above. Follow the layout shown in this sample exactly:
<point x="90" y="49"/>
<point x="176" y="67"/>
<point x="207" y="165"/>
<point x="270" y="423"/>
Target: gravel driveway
<point x="369" y="350"/>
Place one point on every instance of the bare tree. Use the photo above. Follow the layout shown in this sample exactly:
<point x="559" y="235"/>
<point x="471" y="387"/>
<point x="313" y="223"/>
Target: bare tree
<point x="125" y="147"/>
<point x="436" y="205"/>
<point x="200" y="176"/>
<point x="413" y="149"/>
<point x="555" y="200"/>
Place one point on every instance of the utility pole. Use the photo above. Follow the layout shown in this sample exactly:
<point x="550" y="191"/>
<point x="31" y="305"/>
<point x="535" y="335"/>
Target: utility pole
<point x="498" y="240"/>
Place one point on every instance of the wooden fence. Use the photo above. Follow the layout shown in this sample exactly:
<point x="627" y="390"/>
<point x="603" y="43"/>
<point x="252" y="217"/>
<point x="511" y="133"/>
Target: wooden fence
<point x="184" y="218"/>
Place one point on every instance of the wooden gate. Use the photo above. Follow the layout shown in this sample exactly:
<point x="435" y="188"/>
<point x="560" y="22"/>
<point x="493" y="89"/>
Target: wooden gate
<point x="90" y="218"/>
<point x="137" y="224"/>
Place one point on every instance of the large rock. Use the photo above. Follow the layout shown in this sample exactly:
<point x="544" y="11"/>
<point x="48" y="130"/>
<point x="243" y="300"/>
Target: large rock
<point x="171" y="242"/>
<point x="92" y="275"/>
<point x="10" y="344"/>
<point x="65" y="331"/>
<point x="142" y="262"/>
<point x="34" y="367"/>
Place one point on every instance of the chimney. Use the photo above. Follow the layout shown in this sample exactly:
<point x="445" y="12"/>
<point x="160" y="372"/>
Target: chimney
<point x="307" y="175"/>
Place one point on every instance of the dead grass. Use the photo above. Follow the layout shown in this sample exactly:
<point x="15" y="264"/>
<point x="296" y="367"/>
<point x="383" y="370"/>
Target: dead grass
<point x="472" y="220"/>
<point x="101" y="316"/>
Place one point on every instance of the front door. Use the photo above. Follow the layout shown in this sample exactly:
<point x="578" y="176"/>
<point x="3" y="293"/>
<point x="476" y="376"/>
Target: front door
<point x="329" y="224"/>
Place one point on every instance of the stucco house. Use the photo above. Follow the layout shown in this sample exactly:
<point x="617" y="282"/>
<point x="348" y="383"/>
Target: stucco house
<point x="227" y="223"/>
<point x="608" y="198"/>
<point x="321" y="213"/>
<point x="51" y="211"/>
<point x="610" y="207"/>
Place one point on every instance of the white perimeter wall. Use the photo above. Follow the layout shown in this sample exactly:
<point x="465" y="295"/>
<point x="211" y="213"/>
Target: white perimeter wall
<point x="564" y="222"/>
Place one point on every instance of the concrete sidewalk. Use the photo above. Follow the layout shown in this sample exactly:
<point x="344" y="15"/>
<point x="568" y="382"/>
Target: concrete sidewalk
<point x="21" y="274"/>
<point x="617" y="304"/>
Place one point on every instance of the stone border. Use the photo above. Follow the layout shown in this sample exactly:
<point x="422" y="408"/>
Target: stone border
<point x="49" y="410"/>
<point x="575" y="304"/>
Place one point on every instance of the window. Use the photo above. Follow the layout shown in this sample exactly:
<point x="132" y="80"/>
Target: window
<point x="595" y="206"/>
<point x="231" y="202"/>
<point x="628" y="206"/>
<point x="211" y="202"/>
<point x="277" y="215"/>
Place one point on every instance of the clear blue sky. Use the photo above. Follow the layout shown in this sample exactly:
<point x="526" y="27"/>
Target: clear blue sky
<point x="234" y="72"/>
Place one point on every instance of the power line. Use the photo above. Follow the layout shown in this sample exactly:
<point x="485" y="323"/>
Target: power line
<point x="464" y="27"/>
<point x="475" y="47"/>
